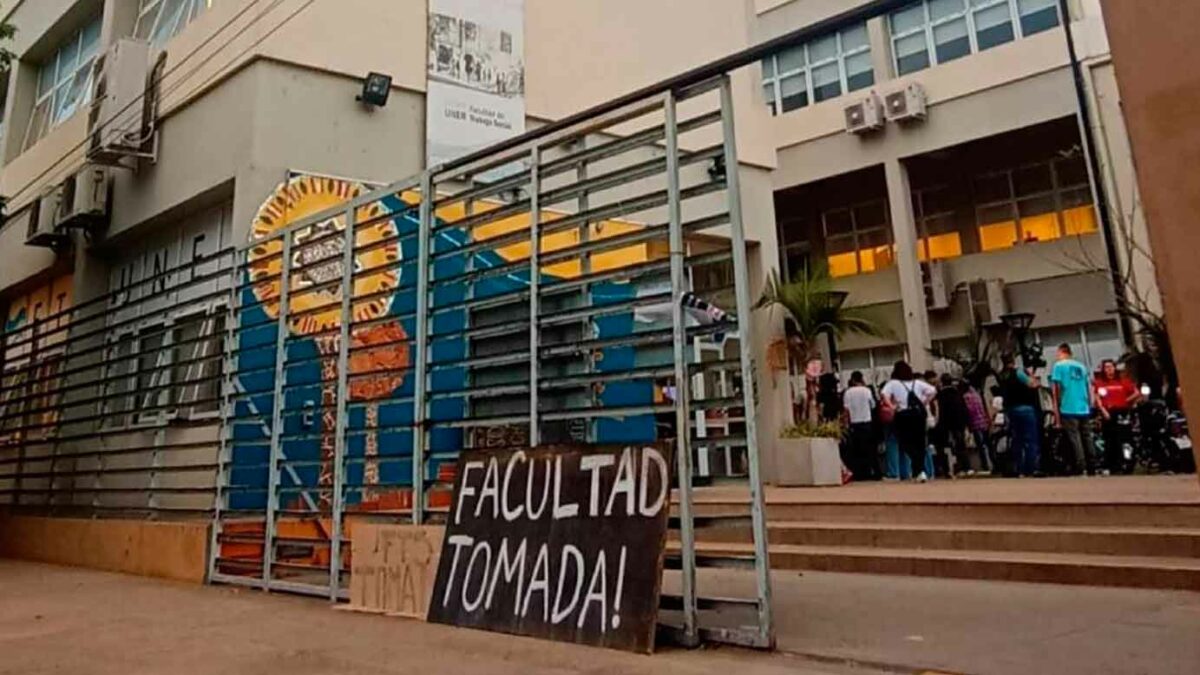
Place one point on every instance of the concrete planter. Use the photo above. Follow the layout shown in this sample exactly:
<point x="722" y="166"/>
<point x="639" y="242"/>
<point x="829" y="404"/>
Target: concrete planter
<point x="806" y="461"/>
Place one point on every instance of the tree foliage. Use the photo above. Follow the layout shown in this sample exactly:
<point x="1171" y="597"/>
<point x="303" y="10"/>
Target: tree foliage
<point x="7" y="31"/>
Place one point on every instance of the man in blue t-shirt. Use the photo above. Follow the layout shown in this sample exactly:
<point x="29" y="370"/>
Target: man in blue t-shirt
<point x="1073" y="407"/>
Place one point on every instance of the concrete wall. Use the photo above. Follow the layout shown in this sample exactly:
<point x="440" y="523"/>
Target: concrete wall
<point x="176" y="551"/>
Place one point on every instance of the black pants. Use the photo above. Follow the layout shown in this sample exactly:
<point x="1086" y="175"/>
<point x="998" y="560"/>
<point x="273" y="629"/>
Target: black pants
<point x="1115" y="435"/>
<point x="951" y="441"/>
<point x="864" y="451"/>
<point x="910" y="437"/>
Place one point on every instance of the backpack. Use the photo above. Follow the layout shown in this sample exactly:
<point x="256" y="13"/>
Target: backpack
<point x="914" y="407"/>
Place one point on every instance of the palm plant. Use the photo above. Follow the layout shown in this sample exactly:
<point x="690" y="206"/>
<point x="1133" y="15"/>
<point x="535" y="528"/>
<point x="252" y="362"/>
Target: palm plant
<point x="815" y="308"/>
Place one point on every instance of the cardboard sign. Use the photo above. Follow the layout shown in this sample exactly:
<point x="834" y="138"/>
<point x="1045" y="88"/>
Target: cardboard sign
<point x="560" y="542"/>
<point x="392" y="568"/>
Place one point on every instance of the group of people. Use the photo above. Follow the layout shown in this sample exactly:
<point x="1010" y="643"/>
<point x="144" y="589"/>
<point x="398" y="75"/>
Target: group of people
<point x="929" y="425"/>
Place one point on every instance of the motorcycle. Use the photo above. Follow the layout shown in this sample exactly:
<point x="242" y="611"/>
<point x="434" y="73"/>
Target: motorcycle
<point x="1177" y="429"/>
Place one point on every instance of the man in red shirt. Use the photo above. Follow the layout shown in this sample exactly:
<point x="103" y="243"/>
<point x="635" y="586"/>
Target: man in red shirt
<point x="1116" y="395"/>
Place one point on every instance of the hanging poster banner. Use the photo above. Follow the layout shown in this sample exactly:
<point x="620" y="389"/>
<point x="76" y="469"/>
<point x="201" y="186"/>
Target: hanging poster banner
<point x="557" y="542"/>
<point x="475" y="76"/>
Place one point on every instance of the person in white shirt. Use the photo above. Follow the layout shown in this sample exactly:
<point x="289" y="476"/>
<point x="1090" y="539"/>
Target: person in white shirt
<point x="910" y="398"/>
<point x="858" y="402"/>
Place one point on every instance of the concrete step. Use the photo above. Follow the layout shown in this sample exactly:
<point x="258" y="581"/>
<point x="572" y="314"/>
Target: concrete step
<point x="1156" y="542"/>
<point x="1137" y="515"/>
<point x="1057" y="568"/>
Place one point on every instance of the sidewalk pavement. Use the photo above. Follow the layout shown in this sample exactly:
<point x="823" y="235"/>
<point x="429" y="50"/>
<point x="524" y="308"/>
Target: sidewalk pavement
<point x="911" y="624"/>
<point x="57" y="619"/>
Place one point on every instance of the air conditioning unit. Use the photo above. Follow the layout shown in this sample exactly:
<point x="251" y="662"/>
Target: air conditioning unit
<point x="935" y="276"/>
<point x="43" y="217"/>
<point x="120" y="122"/>
<point x="988" y="303"/>
<point x="907" y="104"/>
<point x="865" y="116"/>
<point x="84" y="199"/>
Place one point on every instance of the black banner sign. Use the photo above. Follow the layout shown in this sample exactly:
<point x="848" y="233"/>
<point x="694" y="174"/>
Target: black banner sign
<point x="559" y="542"/>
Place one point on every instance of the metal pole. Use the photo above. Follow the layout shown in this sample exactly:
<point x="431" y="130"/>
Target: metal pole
<point x="424" y="251"/>
<point x="741" y="281"/>
<point x="281" y="323"/>
<point x="683" y="447"/>
<point x="343" y="373"/>
<point x="535" y="273"/>
<point x="1096" y="177"/>
<point x="227" y="412"/>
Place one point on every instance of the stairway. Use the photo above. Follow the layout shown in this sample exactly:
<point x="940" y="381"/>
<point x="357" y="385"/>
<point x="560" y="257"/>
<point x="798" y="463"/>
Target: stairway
<point x="1144" y="545"/>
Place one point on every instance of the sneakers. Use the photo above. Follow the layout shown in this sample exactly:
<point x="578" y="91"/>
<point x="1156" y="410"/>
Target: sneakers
<point x="921" y="477"/>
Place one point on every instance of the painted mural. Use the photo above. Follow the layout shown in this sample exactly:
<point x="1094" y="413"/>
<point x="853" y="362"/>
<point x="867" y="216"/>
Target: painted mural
<point x="35" y="330"/>
<point x="379" y="431"/>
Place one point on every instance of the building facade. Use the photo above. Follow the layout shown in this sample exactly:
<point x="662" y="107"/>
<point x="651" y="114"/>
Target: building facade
<point x="991" y="183"/>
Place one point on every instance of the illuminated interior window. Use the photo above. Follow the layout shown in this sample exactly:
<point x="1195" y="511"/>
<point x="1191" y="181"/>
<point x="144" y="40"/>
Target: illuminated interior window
<point x="858" y="238"/>
<point x="1080" y="220"/>
<point x="843" y="264"/>
<point x="1037" y="202"/>
<point x="940" y="247"/>
<point x="997" y="236"/>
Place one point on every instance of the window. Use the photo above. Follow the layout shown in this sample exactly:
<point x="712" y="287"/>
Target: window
<point x="164" y="369"/>
<point x="822" y="69"/>
<point x="858" y="238"/>
<point x="196" y="359"/>
<point x="64" y="83"/>
<point x="1036" y="202"/>
<point x="936" y="224"/>
<point x="930" y="32"/>
<point x="160" y="20"/>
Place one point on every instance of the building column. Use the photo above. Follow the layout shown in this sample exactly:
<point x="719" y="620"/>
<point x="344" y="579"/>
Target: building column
<point x="912" y="288"/>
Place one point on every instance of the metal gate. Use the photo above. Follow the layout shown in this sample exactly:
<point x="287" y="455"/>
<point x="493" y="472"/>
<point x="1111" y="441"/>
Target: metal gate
<point x="586" y="285"/>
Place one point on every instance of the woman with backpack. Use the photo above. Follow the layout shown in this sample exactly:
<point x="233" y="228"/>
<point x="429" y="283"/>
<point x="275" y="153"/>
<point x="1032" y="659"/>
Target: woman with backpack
<point x="909" y="397"/>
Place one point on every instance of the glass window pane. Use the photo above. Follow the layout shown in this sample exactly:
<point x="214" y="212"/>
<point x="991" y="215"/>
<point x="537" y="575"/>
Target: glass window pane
<point x="791" y="59"/>
<point x="998" y="213"/>
<point x="992" y="187"/>
<point x="823" y="49"/>
<point x="1071" y="171"/>
<point x="768" y="67"/>
<point x="46" y="78"/>
<point x="907" y="19"/>
<point x="951" y="40"/>
<point x="843" y="264"/>
<point x="940" y="9"/>
<point x="1031" y="180"/>
<point x="91" y="40"/>
<point x="67" y="100"/>
<point x="68" y="60"/>
<point x="837" y="221"/>
<point x="993" y="26"/>
<point x="769" y="95"/>
<point x="1076" y="197"/>
<point x="793" y="92"/>
<point x="1040" y="228"/>
<point x="870" y="216"/>
<point x="827" y="82"/>
<point x="855" y="38"/>
<point x="145" y="23"/>
<point x="168" y="23"/>
<point x="1036" y="206"/>
<point x="1037" y="15"/>
<point x="37" y="123"/>
<point x="1079" y="220"/>
<point x="942" y="246"/>
<point x="860" y="71"/>
<point x="911" y="54"/>
<point x="997" y="236"/>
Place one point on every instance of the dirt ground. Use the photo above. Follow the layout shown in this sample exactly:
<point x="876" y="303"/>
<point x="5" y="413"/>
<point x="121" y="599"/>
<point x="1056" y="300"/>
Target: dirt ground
<point x="67" y="620"/>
